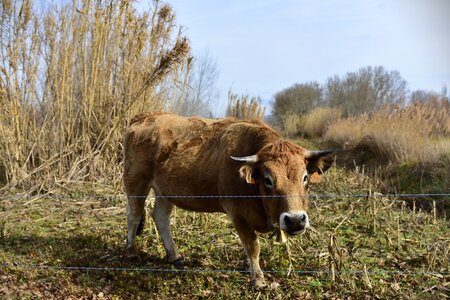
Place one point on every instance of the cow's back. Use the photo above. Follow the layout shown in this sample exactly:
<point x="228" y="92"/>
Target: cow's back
<point x="164" y="136"/>
<point x="195" y="139"/>
<point x="190" y="156"/>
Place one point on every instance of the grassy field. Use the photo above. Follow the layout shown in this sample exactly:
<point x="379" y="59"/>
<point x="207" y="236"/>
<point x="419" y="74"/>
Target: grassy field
<point x="369" y="247"/>
<point x="70" y="80"/>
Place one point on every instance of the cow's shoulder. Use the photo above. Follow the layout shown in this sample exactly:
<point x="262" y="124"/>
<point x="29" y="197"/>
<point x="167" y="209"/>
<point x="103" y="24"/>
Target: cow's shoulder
<point x="238" y="127"/>
<point x="146" y="117"/>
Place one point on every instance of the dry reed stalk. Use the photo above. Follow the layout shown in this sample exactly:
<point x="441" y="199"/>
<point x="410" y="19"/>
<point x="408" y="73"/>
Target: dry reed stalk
<point x="85" y="69"/>
<point x="367" y="278"/>
<point x="335" y="258"/>
<point x="319" y="119"/>
<point x="244" y="107"/>
<point x="434" y="212"/>
<point x="293" y="125"/>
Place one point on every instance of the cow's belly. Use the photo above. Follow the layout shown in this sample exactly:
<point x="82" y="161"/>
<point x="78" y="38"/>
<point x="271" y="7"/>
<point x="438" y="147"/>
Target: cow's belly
<point x="196" y="196"/>
<point x="189" y="183"/>
<point x="198" y="204"/>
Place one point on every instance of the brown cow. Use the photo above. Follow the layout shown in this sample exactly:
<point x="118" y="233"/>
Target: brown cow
<point x="178" y="156"/>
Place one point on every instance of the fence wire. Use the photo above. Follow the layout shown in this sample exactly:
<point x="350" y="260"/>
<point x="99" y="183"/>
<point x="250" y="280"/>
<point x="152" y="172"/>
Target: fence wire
<point x="397" y="197"/>
<point x="440" y="196"/>
<point x="281" y="271"/>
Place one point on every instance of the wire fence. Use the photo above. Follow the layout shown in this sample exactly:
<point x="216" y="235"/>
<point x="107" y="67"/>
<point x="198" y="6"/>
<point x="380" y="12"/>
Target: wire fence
<point x="392" y="196"/>
<point x="200" y="271"/>
<point x="397" y="197"/>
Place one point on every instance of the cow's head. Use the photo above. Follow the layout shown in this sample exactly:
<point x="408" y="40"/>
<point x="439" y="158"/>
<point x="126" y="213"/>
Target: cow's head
<point x="283" y="171"/>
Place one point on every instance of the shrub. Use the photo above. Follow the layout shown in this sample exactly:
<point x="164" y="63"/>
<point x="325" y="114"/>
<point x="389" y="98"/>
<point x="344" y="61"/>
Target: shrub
<point x="416" y="133"/>
<point x="299" y="99"/>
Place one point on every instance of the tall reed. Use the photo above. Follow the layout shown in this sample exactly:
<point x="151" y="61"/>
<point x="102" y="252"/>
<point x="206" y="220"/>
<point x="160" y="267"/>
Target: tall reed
<point x="244" y="107"/>
<point x="70" y="79"/>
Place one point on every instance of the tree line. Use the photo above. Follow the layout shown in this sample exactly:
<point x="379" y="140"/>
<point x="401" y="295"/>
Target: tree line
<point x="364" y="91"/>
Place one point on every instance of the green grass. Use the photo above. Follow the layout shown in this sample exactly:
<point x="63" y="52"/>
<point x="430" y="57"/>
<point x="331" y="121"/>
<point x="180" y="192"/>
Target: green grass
<point x="350" y="235"/>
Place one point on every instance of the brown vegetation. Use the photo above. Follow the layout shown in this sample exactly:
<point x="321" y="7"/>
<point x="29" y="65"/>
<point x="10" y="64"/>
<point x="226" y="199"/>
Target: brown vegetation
<point x="293" y="123"/>
<point x="415" y="133"/>
<point x="313" y="124"/>
<point x="244" y="107"/>
<point x="364" y="91"/>
<point x="71" y="77"/>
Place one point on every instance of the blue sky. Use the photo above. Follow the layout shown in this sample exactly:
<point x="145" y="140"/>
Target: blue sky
<point x="262" y="47"/>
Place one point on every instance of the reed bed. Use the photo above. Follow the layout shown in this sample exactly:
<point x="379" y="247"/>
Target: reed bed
<point x="415" y="133"/>
<point x="319" y="119"/>
<point x="71" y="77"/>
<point x="244" y="107"/>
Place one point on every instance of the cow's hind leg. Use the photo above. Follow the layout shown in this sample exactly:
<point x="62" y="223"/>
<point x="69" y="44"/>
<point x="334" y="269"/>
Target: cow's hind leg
<point x="161" y="215"/>
<point x="137" y="193"/>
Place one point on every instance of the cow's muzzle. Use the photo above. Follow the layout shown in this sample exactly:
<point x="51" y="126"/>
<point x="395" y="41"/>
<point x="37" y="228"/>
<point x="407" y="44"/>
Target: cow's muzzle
<point x="294" y="223"/>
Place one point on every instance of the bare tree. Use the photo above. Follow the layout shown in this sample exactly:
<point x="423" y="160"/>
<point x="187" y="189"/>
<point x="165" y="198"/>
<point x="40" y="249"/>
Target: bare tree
<point x="421" y="96"/>
<point x="366" y="90"/>
<point x="195" y="95"/>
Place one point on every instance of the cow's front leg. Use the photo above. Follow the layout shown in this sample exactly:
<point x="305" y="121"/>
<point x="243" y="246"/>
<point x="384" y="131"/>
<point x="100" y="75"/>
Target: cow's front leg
<point x="161" y="215"/>
<point x="250" y="242"/>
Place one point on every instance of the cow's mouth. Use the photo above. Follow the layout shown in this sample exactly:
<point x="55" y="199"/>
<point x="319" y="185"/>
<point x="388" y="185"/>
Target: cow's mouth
<point x="297" y="232"/>
<point x="282" y="235"/>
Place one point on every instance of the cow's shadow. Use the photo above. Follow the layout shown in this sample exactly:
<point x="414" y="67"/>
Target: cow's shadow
<point x="80" y="256"/>
<point x="76" y="251"/>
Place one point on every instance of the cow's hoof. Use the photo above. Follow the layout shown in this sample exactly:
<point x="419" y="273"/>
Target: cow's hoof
<point x="132" y="253"/>
<point x="178" y="263"/>
<point x="258" y="283"/>
<point x="273" y="286"/>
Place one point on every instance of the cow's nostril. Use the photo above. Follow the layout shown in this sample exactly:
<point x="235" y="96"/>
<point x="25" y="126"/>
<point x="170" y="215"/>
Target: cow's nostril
<point x="287" y="221"/>
<point x="303" y="218"/>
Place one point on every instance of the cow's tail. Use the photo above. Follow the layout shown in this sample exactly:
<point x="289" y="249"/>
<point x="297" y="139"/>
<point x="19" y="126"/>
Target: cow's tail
<point x="141" y="224"/>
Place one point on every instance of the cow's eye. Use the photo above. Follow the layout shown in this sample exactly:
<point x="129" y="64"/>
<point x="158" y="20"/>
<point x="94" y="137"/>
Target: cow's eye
<point x="268" y="180"/>
<point x="305" y="179"/>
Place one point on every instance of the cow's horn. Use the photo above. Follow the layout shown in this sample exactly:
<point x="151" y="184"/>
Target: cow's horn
<point x="251" y="158"/>
<point x="319" y="153"/>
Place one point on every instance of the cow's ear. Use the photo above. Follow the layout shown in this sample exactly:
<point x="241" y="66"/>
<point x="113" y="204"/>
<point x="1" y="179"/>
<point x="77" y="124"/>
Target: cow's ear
<point x="247" y="172"/>
<point x="314" y="178"/>
<point x="319" y="161"/>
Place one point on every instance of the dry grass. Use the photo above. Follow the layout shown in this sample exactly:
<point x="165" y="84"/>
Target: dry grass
<point x="416" y="133"/>
<point x="362" y="247"/>
<point x="244" y="107"/>
<point x="319" y="119"/>
<point x="71" y="77"/>
<point x="293" y="125"/>
<point x="314" y="124"/>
